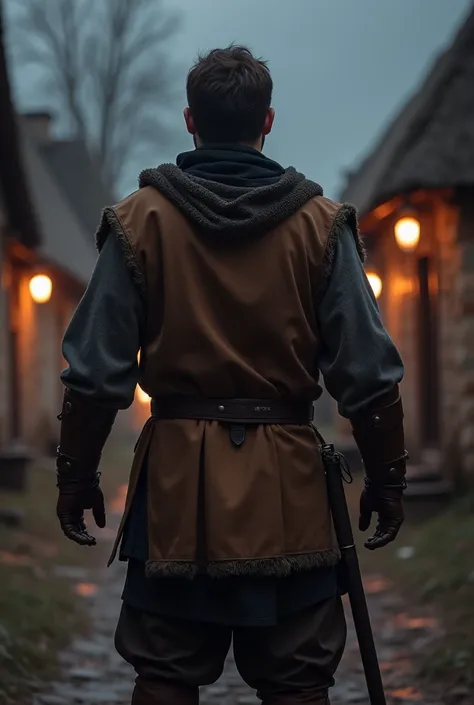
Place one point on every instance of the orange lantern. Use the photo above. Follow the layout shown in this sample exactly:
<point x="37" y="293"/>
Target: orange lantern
<point x="407" y="233"/>
<point x="41" y="288"/>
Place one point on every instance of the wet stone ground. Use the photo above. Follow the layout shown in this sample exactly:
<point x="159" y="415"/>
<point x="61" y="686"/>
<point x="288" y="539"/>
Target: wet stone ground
<point x="94" y="674"/>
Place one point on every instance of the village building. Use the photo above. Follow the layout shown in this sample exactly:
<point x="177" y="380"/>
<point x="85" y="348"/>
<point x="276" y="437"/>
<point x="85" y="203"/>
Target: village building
<point x="51" y="197"/>
<point x="415" y="195"/>
<point x="41" y="285"/>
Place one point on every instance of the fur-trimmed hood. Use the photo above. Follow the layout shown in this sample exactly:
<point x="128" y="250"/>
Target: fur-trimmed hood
<point x="253" y="196"/>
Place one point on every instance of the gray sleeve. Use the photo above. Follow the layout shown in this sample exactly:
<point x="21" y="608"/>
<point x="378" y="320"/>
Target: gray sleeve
<point x="358" y="360"/>
<point x="102" y="341"/>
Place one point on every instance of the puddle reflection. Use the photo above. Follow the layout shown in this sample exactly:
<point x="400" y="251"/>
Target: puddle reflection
<point x="374" y="585"/>
<point x="85" y="589"/>
<point x="410" y="694"/>
<point x="404" y="621"/>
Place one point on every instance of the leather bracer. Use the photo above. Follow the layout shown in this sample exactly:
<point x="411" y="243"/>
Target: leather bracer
<point x="380" y="438"/>
<point x="85" y="427"/>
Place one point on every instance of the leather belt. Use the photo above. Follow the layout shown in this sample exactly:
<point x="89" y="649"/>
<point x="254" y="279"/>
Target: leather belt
<point x="236" y="412"/>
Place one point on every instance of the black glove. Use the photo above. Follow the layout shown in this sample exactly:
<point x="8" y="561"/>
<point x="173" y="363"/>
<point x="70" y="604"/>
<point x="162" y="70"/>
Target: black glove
<point x="379" y="435"/>
<point x="76" y="495"/>
<point x="85" y="427"/>
<point x="386" y="501"/>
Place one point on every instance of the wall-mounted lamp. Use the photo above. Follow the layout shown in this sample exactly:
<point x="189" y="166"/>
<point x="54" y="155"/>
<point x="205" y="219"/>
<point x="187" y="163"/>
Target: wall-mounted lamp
<point x="375" y="282"/>
<point x="41" y="288"/>
<point x="407" y="233"/>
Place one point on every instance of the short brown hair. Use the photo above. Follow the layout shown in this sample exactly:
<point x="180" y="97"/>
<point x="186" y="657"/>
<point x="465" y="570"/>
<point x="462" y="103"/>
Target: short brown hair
<point x="229" y="92"/>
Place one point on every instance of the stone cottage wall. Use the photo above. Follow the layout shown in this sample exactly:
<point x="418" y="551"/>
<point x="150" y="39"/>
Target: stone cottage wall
<point x="454" y="230"/>
<point x="446" y="217"/>
<point x="464" y="341"/>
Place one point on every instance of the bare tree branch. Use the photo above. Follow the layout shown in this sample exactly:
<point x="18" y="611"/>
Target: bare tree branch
<point x="148" y="38"/>
<point x="104" y="63"/>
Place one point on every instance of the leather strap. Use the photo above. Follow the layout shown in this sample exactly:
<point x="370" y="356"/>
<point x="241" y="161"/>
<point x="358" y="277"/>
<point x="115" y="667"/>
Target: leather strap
<point x="234" y="411"/>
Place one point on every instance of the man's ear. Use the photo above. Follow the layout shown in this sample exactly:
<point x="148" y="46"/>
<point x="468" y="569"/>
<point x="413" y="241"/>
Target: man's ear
<point x="268" y="124"/>
<point x="188" y="119"/>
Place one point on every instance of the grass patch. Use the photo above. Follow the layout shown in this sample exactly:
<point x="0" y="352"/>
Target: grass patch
<point x="40" y="612"/>
<point x="441" y="575"/>
<point x="38" y="615"/>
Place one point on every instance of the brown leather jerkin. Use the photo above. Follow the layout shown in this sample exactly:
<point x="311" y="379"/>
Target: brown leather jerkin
<point x="230" y="321"/>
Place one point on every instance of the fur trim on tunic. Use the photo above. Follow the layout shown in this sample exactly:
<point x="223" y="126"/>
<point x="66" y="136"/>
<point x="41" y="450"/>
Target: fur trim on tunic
<point x="111" y="223"/>
<point x="280" y="566"/>
<point x="345" y="216"/>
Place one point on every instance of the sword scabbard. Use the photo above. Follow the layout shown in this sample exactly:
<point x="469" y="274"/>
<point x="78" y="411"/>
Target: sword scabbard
<point x="333" y="464"/>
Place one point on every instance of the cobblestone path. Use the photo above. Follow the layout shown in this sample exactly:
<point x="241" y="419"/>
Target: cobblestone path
<point x="93" y="674"/>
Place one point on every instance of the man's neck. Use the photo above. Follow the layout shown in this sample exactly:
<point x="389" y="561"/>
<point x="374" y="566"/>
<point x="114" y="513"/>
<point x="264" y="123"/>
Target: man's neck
<point x="253" y="145"/>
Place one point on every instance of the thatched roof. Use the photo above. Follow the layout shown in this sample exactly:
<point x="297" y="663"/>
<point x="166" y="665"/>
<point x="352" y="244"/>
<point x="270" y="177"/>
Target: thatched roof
<point x="65" y="241"/>
<point x="430" y="144"/>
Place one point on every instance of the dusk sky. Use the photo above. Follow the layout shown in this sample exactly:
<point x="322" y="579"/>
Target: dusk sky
<point x="340" y="67"/>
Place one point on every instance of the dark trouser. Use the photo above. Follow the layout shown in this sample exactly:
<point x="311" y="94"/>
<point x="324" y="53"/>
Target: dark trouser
<point x="290" y="663"/>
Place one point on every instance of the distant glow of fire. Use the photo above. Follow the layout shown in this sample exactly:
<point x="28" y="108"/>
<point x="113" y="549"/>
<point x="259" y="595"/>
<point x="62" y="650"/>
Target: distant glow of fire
<point x="375" y="282"/>
<point x="142" y="396"/>
<point x="41" y="288"/>
<point x="407" y="233"/>
<point x="118" y="502"/>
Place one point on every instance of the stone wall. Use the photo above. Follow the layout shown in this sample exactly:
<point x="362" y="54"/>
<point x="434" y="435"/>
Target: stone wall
<point x="464" y="341"/>
<point x="446" y="220"/>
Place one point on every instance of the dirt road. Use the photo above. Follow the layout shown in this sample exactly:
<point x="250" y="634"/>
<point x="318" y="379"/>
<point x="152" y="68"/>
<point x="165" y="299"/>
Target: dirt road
<point x="93" y="674"/>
